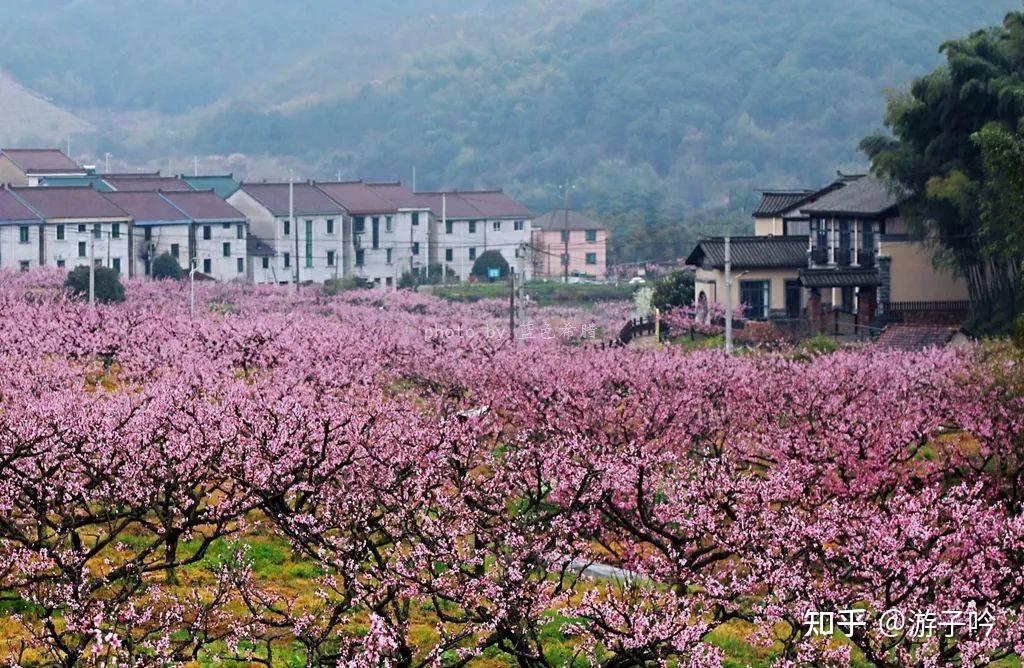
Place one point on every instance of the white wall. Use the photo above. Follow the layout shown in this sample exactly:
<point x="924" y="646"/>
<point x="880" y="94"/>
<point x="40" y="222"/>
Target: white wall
<point x="506" y="240"/>
<point x="13" y="252"/>
<point x="109" y="251"/>
<point x="211" y="251"/>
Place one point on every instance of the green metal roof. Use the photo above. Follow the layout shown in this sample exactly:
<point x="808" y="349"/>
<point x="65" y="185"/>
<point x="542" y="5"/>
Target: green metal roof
<point x="222" y="184"/>
<point x="94" y="180"/>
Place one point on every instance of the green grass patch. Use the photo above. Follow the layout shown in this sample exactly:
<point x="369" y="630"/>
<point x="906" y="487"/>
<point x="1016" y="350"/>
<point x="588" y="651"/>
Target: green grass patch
<point x="542" y="293"/>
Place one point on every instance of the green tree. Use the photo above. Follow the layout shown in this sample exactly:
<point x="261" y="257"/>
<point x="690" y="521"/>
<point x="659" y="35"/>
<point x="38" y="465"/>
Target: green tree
<point x="107" y="284"/>
<point x="487" y="261"/>
<point x="952" y="153"/>
<point x="676" y="289"/>
<point x="166" y="266"/>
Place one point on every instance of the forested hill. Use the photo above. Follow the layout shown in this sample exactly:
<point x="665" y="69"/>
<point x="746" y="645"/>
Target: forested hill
<point x="661" y="110"/>
<point x="667" y="105"/>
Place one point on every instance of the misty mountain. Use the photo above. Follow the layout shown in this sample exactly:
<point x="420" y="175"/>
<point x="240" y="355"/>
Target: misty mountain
<point x="657" y="109"/>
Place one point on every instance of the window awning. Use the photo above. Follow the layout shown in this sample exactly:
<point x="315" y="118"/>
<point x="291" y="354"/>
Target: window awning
<point x="845" y="277"/>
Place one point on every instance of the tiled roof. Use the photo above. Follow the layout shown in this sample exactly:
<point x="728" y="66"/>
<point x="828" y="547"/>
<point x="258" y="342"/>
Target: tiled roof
<point x="204" y="206"/>
<point x="555" y="220"/>
<point x="475" y="204"/>
<point x="222" y="184"/>
<point x="399" y="196"/>
<point x="42" y="160"/>
<point x="69" y="202"/>
<point x="916" y="337"/>
<point x="752" y="252"/>
<point x="774" y="202"/>
<point x="256" y="246"/>
<point x="147" y="207"/>
<point x="13" y="210"/>
<point x="859" y="196"/>
<point x="309" y="200"/>
<point x="357" y="198"/>
<point x="839" y="278"/>
<point x="145" y="183"/>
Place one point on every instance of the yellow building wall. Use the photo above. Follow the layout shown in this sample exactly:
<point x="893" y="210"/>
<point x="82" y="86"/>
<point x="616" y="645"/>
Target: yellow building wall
<point x="914" y="277"/>
<point x="712" y="283"/>
<point x="9" y="174"/>
<point x="766" y="227"/>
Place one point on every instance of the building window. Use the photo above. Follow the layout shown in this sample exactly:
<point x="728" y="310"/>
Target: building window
<point x="115" y="231"/>
<point x="240" y="231"/>
<point x="591" y="258"/>
<point x="472" y="253"/>
<point x="97" y="231"/>
<point x="208" y="233"/>
<point x="23" y="234"/>
<point x="375" y="233"/>
<point x="797" y="228"/>
<point x="359" y="224"/>
<point x="448" y="225"/>
<point x="472" y="227"/>
<point x="388" y="256"/>
<point x="174" y="251"/>
<point x="309" y="244"/>
<point x="148" y="234"/>
<point x="518" y="226"/>
<point x="330" y="226"/>
<point x="565" y="236"/>
<point x="240" y="265"/>
<point x="496" y="226"/>
<point x="449" y="255"/>
<point x="60" y="232"/>
<point x="266" y="262"/>
<point x="287" y="260"/>
<point x="115" y="264"/>
<point x="81" y="228"/>
<point x="360" y="256"/>
<point x="60" y="264"/>
<point x="415" y="218"/>
<point x="207" y="266"/>
<point x="591" y="236"/>
<point x="24" y="265"/>
<point x="287" y="227"/>
<point x="389" y="224"/>
<point x="330" y="258"/>
<point x="227" y="249"/>
<point x="81" y="249"/>
<point x="416" y="248"/>
<point x="754" y="295"/>
<point x="225" y="226"/>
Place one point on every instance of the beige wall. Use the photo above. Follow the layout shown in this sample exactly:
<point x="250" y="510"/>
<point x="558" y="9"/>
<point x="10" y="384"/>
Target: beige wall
<point x="913" y="276"/>
<point x="551" y="247"/>
<point x="764" y="227"/>
<point x="9" y="174"/>
<point x="712" y="282"/>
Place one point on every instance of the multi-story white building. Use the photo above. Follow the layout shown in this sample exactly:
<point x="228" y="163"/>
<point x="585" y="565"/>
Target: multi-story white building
<point x="219" y="235"/>
<point x="475" y="221"/>
<point x="388" y="239"/>
<point x="20" y="234"/>
<point x="415" y="220"/>
<point x="79" y="223"/>
<point x="318" y="235"/>
<point x="158" y="227"/>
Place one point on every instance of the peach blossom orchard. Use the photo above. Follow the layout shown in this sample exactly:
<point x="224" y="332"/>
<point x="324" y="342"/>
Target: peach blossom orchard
<point x="466" y="480"/>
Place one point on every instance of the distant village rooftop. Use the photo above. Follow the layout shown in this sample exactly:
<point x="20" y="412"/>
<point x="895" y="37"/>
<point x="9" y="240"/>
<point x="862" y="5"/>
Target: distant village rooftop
<point x="556" y="220"/>
<point x="42" y="161"/>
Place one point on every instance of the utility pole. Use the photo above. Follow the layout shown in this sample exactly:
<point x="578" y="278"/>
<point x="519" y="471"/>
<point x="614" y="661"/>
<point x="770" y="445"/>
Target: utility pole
<point x="92" y="267"/>
<point x="292" y="226"/>
<point x="195" y="165"/>
<point x="565" y="237"/>
<point x="521" y="289"/>
<point x="728" y="297"/>
<point x="106" y="161"/>
<point x="414" y="179"/>
<point x="512" y="306"/>
<point x="192" y="290"/>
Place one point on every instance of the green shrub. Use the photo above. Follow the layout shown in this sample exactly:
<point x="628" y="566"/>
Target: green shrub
<point x="487" y="261"/>
<point x="676" y="289"/>
<point x="166" y="266"/>
<point x="107" y="284"/>
<point x="337" y="286"/>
